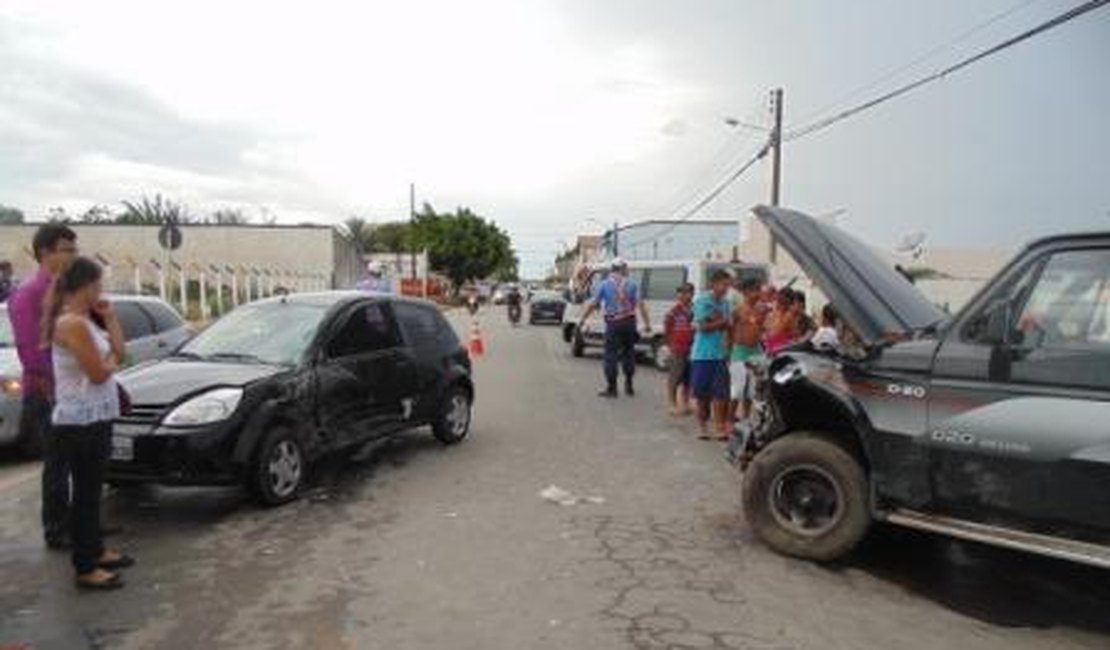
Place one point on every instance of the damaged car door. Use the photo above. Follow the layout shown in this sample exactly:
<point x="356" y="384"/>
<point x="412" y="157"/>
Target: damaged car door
<point x="364" y="376"/>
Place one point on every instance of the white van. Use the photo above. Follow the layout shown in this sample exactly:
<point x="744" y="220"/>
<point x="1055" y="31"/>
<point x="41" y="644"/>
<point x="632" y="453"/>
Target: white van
<point x="659" y="282"/>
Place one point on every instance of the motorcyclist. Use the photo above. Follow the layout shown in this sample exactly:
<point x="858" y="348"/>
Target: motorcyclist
<point x="513" y="299"/>
<point x="375" y="280"/>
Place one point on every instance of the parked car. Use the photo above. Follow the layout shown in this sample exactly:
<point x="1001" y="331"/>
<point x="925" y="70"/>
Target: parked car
<point x="11" y="390"/>
<point x="151" y="328"/>
<point x="277" y="384"/>
<point x="659" y="282"/>
<point x="988" y="426"/>
<point x="546" y="307"/>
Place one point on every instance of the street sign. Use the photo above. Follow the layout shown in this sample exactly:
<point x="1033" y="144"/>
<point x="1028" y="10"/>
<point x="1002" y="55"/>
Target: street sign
<point x="169" y="236"/>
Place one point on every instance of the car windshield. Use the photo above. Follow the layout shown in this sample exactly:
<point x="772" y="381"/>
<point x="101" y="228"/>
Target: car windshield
<point x="7" y="339"/>
<point x="275" y="332"/>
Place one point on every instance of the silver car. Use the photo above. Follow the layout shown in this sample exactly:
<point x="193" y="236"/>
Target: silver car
<point x="150" y="326"/>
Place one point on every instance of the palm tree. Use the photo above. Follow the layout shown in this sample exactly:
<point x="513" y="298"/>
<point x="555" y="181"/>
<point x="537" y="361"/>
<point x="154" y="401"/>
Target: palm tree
<point x="156" y="212"/>
<point x="359" y="231"/>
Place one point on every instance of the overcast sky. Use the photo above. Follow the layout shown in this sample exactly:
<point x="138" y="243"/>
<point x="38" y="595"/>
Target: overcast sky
<point x="542" y="114"/>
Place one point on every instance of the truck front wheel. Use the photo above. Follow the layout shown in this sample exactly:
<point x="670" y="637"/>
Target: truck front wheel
<point x="806" y="496"/>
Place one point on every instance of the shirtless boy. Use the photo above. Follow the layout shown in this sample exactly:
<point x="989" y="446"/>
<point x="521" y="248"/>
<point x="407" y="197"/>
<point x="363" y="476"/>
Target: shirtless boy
<point x="747" y="345"/>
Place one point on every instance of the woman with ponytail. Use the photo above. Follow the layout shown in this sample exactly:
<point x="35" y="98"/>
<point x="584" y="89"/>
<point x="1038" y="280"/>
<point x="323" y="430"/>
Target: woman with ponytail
<point x="87" y="345"/>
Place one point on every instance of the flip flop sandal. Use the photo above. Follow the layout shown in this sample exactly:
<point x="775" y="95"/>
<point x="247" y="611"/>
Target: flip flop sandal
<point x="115" y="582"/>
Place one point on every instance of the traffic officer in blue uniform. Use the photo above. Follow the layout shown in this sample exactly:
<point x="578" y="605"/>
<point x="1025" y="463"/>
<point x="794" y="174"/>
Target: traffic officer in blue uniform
<point x="618" y="296"/>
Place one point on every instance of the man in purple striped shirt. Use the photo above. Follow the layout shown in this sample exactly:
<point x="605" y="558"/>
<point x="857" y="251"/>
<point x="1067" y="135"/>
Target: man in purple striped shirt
<point x="54" y="246"/>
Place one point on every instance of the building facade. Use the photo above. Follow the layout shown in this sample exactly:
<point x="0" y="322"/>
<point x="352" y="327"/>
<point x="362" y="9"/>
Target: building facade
<point x="662" y="239"/>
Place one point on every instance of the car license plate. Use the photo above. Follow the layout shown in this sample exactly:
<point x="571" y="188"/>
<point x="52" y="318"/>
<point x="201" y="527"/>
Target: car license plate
<point x="123" y="448"/>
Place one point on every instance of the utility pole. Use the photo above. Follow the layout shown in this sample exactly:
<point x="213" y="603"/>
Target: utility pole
<point x="615" y="230"/>
<point x="776" y="158"/>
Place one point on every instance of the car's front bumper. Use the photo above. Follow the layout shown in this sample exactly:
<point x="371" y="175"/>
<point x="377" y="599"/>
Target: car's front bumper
<point x="202" y="456"/>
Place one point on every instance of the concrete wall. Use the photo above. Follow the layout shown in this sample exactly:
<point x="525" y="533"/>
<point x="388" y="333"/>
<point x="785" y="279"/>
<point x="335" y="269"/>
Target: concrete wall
<point x="298" y="257"/>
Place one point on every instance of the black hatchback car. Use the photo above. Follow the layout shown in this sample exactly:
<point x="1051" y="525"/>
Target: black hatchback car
<point x="546" y="307"/>
<point x="279" y="383"/>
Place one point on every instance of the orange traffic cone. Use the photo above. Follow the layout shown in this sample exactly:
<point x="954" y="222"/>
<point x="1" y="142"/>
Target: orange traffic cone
<point x="477" y="347"/>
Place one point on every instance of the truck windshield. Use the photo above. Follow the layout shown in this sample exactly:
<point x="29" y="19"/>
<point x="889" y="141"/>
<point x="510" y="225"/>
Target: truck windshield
<point x="277" y="333"/>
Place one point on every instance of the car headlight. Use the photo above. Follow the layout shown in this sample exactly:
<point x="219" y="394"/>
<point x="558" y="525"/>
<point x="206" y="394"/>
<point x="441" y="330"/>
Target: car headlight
<point x="214" y="406"/>
<point x="11" y="387"/>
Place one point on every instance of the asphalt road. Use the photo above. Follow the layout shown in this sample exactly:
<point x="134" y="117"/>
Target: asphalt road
<point x="414" y="545"/>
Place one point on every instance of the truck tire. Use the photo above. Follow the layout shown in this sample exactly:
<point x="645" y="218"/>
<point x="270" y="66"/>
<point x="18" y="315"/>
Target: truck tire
<point x="279" y="469"/>
<point x="577" y="345"/>
<point x="806" y="496"/>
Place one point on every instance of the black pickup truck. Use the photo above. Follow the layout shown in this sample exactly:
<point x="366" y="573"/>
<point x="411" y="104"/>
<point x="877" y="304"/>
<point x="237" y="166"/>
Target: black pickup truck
<point x="991" y="425"/>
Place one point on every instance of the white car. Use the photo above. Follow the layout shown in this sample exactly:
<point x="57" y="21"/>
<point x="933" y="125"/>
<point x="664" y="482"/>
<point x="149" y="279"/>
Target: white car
<point x="151" y="328"/>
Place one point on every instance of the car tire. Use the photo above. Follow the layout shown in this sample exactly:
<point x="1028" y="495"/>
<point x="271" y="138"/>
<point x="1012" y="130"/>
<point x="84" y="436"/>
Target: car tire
<point x="806" y="496"/>
<point x="279" y="470"/>
<point x="577" y="344"/>
<point x="660" y="355"/>
<point x="452" y="423"/>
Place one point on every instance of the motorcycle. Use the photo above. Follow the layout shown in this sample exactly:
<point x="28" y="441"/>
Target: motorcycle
<point x="472" y="305"/>
<point x="514" y="314"/>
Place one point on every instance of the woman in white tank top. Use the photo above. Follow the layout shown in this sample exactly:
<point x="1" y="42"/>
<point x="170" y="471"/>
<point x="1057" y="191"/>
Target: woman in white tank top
<point x="86" y="401"/>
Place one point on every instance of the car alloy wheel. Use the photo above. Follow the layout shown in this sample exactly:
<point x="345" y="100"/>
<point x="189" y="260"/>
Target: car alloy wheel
<point x="458" y="415"/>
<point x="285" y="468"/>
<point x="806" y="500"/>
<point x="453" y="422"/>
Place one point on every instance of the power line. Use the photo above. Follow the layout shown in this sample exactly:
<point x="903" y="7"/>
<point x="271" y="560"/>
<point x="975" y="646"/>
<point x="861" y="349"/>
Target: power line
<point x="708" y="198"/>
<point x="962" y="36"/>
<point x="1065" y="17"/>
<point x="722" y="160"/>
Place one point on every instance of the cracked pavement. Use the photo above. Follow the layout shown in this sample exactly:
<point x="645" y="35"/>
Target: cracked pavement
<point x="414" y="545"/>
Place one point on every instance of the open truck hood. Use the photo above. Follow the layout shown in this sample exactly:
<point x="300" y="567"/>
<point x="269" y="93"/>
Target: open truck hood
<point x="872" y="298"/>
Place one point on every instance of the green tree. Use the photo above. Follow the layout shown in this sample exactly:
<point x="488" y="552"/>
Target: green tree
<point x="58" y="214"/>
<point x="464" y="246"/>
<point x="10" y="216"/>
<point x="358" y="231"/>
<point x="391" y="237"/>
<point x="154" y="211"/>
<point x="97" y="214"/>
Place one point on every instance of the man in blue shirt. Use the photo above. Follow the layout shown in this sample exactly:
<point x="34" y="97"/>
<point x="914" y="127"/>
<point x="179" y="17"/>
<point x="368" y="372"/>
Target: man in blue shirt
<point x="709" y="379"/>
<point x="619" y="298"/>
